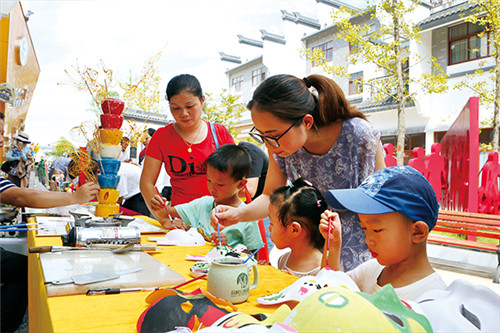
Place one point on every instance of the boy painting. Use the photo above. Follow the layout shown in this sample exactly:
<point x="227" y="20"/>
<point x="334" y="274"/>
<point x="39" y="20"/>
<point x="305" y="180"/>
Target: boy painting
<point x="397" y="208"/>
<point x="227" y="169"/>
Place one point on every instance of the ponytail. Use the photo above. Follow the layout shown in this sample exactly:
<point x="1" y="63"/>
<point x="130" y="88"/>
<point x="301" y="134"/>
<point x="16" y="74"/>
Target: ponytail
<point x="332" y="104"/>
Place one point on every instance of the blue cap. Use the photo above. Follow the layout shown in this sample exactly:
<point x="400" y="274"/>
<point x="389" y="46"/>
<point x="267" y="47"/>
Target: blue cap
<point x="399" y="189"/>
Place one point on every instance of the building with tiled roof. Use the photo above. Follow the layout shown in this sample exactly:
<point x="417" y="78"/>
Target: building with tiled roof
<point x="428" y="116"/>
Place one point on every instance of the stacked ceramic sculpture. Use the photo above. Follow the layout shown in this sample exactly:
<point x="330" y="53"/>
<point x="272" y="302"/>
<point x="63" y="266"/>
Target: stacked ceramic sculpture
<point x="110" y="135"/>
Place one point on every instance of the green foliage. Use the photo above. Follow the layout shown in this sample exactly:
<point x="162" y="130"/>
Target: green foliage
<point x="62" y="146"/>
<point x="224" y="109"/>
<point x="142" y="91"/>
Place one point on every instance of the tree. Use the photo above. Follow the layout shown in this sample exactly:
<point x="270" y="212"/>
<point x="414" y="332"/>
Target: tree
<point x="224" y="109"/>
<point x="387" y="48"/>
<point x="62" y="146"/>
<point x="486" y="15"/>
<point x="141" y="92"/>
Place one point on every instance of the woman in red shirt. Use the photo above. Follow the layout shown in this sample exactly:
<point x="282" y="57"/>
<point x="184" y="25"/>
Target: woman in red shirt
<point x="182" y="147"/>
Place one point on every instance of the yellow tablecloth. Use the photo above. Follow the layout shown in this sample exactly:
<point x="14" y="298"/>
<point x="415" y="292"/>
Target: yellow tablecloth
<point x="119" y="313"/>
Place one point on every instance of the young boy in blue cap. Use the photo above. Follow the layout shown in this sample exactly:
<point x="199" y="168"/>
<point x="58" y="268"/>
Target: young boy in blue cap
<point x="397" y="208"/>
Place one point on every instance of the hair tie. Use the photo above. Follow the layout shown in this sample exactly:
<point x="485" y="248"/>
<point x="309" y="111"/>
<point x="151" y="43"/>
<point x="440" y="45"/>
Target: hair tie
<point x="307" y="82"/>
<point x="319" y="203"/>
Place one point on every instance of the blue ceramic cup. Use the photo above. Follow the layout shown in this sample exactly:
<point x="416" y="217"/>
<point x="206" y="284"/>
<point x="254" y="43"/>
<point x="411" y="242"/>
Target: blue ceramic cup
<point x="108" y="180"/>
<point x="109" y="165"/>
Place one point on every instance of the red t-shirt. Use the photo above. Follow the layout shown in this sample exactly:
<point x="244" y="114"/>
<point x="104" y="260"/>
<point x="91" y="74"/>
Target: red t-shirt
<point x="187" y="171"/>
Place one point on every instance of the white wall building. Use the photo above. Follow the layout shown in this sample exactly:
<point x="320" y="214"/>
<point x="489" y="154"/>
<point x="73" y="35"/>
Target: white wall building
<point x="444" y="35"/>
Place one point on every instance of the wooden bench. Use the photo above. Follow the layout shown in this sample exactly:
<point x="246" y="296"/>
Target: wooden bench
<point x="471" y="225"/>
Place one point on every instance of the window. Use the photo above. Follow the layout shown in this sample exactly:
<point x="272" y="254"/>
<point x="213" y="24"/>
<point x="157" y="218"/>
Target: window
<point x="389" y="139"/>
<point x="355" y="83"/>
<point x="353" y="48"/>
<point x="411" y="141"/>
<point x="236" y="83"/>
<point x="486" y="135"/>
<point x="438" y="136"/>
<point x="465" y="44"/>
<point x="406" y="75"/>
<point x="327" y="49"/>
<point x="258" y="76"/>
<point x="414" y="140"/>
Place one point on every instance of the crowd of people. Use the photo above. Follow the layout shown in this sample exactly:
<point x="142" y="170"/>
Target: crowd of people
<point x="322" y="154"/>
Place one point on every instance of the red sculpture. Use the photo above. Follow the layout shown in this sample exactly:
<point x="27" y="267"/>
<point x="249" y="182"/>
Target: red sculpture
<point x="390" y="160"/>
<point x="436" y="174"/>
<point x="461" y="155"/>
<point x="489" y="194"/>
<point x="417" y="162"/>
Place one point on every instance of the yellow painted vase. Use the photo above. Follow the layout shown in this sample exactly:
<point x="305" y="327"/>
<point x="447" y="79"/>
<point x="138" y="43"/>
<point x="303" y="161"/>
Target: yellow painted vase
<point x="110" y="136"/>
<point x="104" y="210"/>
<point x="108" y="196"/>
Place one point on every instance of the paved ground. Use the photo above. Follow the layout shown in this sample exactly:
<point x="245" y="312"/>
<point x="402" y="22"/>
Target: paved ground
<point x="450" y="276"/>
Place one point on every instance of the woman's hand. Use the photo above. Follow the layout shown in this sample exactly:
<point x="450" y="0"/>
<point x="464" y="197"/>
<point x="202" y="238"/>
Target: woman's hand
<point x="214" y="237"/>
<point x="86" y="192"/>
<point x="225" y="216"/>
<point x="158" y="202"/>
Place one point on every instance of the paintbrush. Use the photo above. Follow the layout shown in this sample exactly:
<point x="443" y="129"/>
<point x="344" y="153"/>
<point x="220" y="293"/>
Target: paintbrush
<point x="17" y="225"/>
<point x="189" y="281"/>
<point x="20" y="229"/>
<point x="254" y="252"/>
<point x="164" y="204"/>
<point x="218" y="225"/>
<point x="110" y="291"/>
<point x="330" y="220"/>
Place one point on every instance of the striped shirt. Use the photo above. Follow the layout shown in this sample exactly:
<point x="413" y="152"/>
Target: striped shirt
<point x="5" y="184"/>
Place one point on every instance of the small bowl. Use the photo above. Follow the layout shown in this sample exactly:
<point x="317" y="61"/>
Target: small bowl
<point x="104" y="210"/>
<point x="110" y="136"/>
<point x="112" y="106"/>
<point x="111" y="121"/>
<point x="109" y="165"/>
<point x="108" y="181"/>
<point x="108" y="196"/>
<point x="110" y="151"/>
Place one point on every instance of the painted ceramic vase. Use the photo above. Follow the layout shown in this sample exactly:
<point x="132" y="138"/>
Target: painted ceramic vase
<point x="108" y="196"/>
<point x="111" y="121"/>
<point x="110" y="136"/>
<point x="105" y="210"/>
<point x="112" y="106"/>
<point x="108" y="180"/>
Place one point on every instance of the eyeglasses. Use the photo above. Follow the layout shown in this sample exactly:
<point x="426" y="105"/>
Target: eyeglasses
<point x="271" y="141"/>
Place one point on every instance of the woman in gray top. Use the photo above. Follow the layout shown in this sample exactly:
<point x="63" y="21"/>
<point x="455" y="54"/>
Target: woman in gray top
<point x="315" y="134"/>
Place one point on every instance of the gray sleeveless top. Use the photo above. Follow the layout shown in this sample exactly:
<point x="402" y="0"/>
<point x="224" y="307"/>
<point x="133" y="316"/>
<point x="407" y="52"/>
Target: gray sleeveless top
<point x="346" y="165"/>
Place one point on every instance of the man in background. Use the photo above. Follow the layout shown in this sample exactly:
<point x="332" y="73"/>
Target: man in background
<point x="125" y="153"/>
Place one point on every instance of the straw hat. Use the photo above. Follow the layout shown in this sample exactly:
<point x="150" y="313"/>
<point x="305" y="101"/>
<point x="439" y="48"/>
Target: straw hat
<point x="23" y="137"/>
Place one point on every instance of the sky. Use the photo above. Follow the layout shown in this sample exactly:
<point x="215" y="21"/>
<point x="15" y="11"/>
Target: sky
<point x="124" y="34"/>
